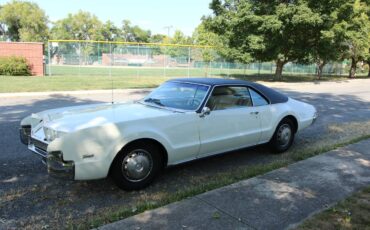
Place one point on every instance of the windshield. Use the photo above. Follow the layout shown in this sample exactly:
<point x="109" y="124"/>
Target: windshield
<point x="178" y="95"/>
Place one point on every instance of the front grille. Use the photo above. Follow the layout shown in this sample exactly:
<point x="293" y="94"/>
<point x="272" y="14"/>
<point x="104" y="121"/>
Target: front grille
<point x="39" y="144"/>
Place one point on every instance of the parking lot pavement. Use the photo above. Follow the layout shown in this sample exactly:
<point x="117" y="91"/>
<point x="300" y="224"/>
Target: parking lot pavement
<point x="279" y="199"/>
<point x="28" y="197"/>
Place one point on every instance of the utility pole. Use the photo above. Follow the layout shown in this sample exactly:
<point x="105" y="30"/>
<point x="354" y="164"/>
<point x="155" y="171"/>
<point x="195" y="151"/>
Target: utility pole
<point x="168" y="30"/>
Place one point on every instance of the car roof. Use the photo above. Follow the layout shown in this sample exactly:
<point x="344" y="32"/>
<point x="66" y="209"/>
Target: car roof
<point x="271" y="95"/>
<point x="212" y="81"/>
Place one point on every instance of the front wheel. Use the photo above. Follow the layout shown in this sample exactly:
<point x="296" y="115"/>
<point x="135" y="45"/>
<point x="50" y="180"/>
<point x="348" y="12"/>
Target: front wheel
<point x="136" y="166"/>
<point x="283" y="137"/>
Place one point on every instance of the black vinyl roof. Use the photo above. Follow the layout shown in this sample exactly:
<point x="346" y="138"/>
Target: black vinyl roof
<point x="272" y="95"/>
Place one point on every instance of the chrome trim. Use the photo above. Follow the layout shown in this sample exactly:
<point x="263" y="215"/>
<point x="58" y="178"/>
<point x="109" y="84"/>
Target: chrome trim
<point x="38" y="151"/>
<point x="59" y="168"/>
<point x="247" y="86"/>
<point x="43" y="146"/>
<point x="205" y="111"/>
<point x="25" y="133"/>
<point x="315" y="116"/>
<point x="137" y="165"/>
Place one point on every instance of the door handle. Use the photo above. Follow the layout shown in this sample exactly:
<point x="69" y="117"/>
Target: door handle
<point x="255" y="112"/>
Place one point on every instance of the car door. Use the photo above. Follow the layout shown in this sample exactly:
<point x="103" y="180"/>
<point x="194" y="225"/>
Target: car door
<point x="263" y="108"/>
<point x="232" y="123"/>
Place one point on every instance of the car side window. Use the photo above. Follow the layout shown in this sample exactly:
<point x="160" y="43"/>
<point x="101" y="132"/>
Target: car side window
<point x="258" y="99"/>
<point x="226" y="97"/>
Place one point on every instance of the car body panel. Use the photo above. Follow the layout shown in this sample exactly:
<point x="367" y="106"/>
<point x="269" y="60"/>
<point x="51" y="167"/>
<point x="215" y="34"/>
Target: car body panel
<point x="91" y="136"/>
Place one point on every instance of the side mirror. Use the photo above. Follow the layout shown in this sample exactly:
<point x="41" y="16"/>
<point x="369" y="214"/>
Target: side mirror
<point x="205" y="111"/>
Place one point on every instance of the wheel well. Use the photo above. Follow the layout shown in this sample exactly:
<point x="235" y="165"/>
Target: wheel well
<point x="294" y="120"/>
<point x="145" y="141"/>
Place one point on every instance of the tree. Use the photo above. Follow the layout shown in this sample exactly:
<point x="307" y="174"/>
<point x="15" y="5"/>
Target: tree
<point x="79" y="26"/>
<point x="265" y="30"/>
<point x="202" y="36"/>
<point x="134" y="33"/>
<point x="177" y="51"/>
<point x="353" y="26"/>
<point x="24" y="21"/>
<point x="157" y="38"/>
<point x="326" y="42"/>
<point x="110" y="32"/>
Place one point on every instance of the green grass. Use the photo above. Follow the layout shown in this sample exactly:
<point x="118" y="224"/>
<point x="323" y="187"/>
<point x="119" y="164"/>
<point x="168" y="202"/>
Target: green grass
<point x="71" y="83"/>
<point x="70" y="78"/>
<point x="351" y="213"/>
<point x="218" y="181"/>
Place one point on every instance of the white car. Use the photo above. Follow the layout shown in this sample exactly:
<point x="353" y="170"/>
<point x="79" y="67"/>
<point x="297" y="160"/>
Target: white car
<point x="182" y="120"/>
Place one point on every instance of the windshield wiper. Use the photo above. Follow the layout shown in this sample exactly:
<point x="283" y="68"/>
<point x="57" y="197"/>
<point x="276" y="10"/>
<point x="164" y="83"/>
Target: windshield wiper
<point x="154" y="101"/>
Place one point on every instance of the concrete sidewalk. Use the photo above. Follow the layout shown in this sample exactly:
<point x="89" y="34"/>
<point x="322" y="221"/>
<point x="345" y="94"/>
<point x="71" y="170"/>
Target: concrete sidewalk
<point x="277" y="200"/>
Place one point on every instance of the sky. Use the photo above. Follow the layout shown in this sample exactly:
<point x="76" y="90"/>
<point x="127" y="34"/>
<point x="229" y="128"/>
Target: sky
<point x="184" y="15"/>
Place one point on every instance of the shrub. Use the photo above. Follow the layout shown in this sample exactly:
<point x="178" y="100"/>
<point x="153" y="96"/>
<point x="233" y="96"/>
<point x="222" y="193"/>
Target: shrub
<point x="14" y="66"/>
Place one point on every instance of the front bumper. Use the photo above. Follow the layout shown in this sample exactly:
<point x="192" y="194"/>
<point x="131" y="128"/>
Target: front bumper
<point x="56" y="166"/>
<point x="25" y="133"/>
<point x="59" y="168"/>
<point x="315" y="116"/>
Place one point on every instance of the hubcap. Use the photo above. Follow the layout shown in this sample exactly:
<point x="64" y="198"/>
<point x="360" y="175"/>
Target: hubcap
<point x="137" y="165"/>
<point x="284" y="134"/>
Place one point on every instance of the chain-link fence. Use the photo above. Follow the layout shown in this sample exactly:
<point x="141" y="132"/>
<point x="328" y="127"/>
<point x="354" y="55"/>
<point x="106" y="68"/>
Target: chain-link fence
<point x="87" y="58"/>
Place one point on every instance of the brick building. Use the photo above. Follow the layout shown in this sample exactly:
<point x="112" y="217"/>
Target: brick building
<point x="32" y="51"/>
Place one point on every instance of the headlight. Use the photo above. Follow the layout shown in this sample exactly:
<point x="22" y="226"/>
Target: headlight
<point x="51" y="134"/>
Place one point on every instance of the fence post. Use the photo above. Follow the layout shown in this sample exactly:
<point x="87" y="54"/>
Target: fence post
<point x="189" y="61"/>
<point x="259" y="68"/>
<point x="49" y="59"/>
<point x="110" y="61"/>
<point x="137" y="69"/>
<point x="79" y="59"/>
<point x="164" y="64"/>
<point x="272" y="67"/>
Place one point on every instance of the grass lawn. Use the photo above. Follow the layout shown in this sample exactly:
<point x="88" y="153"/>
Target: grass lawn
<point x="69" y="83"/>
<point x="69" y="78"/>
<point x="351" y="213"/>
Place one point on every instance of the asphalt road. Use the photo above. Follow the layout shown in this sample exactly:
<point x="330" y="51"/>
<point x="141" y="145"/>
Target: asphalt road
<point x="29" y="198"/>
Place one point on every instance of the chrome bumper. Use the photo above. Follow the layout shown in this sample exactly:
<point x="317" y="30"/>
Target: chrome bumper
<point x="25" y="133"/>
<point x="54" y="162"/>
<point x="59" y="168"/>
<point x="315" y="116"/>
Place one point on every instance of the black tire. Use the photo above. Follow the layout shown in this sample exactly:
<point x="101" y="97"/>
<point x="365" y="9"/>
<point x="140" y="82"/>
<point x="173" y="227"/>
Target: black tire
<point x="131" y="155"/>
<point x="281" y="144"/>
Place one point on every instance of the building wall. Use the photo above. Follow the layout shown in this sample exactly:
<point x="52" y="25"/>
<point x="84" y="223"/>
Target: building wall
<point x="32" y="51"/>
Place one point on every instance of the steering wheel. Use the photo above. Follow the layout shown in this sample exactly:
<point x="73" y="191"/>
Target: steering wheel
<point x="193" y="102"/>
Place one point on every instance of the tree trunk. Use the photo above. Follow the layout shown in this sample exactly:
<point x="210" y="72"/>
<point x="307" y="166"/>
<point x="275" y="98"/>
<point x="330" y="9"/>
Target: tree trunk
<point x="279" y="69"/>
<point x="320" y="67"/>
<point x="368" y="65"/>
<point x="352" y="71"/>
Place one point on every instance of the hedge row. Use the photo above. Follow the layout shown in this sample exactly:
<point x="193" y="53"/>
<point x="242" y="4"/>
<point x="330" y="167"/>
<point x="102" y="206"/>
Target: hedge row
<point x="14" y="66"/>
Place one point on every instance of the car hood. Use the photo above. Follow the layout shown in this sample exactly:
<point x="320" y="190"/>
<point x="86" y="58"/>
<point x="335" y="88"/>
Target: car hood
<point x="74" y="118"/>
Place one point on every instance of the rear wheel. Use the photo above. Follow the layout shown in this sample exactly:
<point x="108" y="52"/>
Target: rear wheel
<point x="136" y="166"/>
<point x="283" y="136"/>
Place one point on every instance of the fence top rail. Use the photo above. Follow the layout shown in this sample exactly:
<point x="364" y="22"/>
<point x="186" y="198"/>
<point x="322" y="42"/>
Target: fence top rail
<point x="133" y="43"/>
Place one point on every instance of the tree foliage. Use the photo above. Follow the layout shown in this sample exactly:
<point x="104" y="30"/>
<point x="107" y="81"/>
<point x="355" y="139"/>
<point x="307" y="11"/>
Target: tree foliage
<point x="23" y="21"/>
<point x="353" y="27"/>
<point x="277" y="31"/>
<point x="176" y="51"/>
<point x="202" y="36"/>
<point x="134" y="33"/>
<point x="292" y="31"/>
